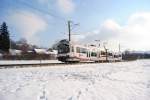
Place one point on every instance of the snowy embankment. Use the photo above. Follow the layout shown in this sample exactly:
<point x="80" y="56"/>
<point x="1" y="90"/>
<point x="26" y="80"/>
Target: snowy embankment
<point x="105" y="81"/>
<point x="6" y="62"/>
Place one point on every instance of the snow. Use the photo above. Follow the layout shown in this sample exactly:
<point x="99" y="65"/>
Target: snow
<point x="104" y="81"/>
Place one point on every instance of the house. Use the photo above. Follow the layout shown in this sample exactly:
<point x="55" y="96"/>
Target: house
<point x="50" y="54"/>
<point x="40" y="51"/>
<point x="15" y="52"/>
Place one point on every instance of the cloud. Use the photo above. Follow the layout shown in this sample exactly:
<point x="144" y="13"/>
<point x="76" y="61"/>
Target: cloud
<point x="28" y="24"/>
<point x="107" y="30"/>
<point x="66" y="6"/>
<point x="134" y="35"/>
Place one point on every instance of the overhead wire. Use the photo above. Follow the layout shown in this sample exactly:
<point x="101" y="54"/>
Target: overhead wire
<point x="41" y="10"/>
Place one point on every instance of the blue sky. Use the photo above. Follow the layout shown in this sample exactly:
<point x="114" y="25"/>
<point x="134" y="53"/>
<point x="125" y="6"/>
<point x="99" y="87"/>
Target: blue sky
<point x="43" y="22"/>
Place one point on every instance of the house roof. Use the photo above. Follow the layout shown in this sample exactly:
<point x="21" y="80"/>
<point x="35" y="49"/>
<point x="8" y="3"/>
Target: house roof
<point x="40" y="51"/>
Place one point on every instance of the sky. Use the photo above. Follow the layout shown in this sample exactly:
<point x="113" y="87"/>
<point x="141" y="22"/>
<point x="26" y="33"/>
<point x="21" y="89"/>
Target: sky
<point x="113" y="22"/>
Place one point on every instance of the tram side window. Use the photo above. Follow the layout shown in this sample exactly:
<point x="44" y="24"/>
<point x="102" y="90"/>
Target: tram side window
<point x="81" y="50"/>
<point x="120" y="56"/>
<point x="116" y="56"/>
<point x="94" y="54"/>
<point x="72" y="48"/>
<point x="110" y="54"/>
<point x="103" y="53"/>
<point x="78" y="50"/>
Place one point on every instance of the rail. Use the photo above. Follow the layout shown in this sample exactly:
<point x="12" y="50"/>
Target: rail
<point x="2" y="66"/>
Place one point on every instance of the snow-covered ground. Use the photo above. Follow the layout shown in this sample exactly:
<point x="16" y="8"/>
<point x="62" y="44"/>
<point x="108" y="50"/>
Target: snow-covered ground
<point x="105" y="81"/>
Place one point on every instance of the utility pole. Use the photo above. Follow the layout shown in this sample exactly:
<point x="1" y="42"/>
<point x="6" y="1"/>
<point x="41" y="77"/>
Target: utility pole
<point x="98" y="46"/>
<point x="119" y="47"/>
<point x="71" y="26"/>
<point x="120" y="54"/>
<point x="98" y="42"/>
<point x="69" y="30"/>
<point x="106" y="51"/>
<point x="69" y="33"/>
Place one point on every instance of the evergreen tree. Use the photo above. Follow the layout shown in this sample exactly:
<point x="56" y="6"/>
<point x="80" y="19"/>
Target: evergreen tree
<point x="62" y="46"/>
<point x="4" y="38"/>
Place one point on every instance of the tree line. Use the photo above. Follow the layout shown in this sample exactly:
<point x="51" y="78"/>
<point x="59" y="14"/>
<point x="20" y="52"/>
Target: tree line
<point x="6" y="43"/>
<point x="21" y="49"/>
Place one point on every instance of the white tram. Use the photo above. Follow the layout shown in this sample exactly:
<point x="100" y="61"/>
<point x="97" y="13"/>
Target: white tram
<point x="80" y="53"/>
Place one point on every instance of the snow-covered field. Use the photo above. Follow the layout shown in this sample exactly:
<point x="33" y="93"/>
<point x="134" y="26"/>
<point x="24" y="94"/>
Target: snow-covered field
<point x="105" y="81"/>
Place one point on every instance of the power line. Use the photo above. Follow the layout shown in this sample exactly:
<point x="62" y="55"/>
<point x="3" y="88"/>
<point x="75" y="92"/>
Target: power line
<point x="41" y="11"/>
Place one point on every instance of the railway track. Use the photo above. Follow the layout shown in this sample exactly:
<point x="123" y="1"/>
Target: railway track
<point x="40" y="65"/>
<point x="2" y="66"/>
<point x="29" y="65"/>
